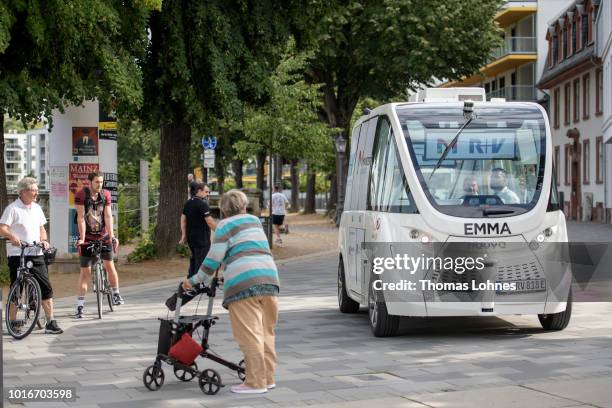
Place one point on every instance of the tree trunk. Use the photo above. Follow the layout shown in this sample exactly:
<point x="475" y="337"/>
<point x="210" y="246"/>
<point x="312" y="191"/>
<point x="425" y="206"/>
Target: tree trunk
<point x="295" y="185"/>
<point x="309" y="203"/>
<point x="174" y="151"/>
<point x="261" y="165"/>
<point x="339" y="102"/>
<point x="3" y="189"/>
<point x="278" y="171"/>
<point x="333" y="191"/>
<point x="237" y="168"/>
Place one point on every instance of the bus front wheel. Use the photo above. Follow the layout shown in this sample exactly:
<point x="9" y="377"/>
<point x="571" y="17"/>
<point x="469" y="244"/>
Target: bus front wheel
<point x="557" y="321"/>
<point x="345" y="303"/>
<point x="382" y="323"/>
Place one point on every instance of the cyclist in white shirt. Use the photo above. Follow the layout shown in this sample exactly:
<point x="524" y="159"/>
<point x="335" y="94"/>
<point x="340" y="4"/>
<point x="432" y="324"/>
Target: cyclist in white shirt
<point x="24" y="221"/>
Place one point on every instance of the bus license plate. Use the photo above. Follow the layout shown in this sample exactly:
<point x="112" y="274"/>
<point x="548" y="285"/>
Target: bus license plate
<point x="525" y="286"/>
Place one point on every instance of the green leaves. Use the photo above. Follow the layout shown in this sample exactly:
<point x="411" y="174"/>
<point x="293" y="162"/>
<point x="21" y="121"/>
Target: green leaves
<point x="288" y="124"/>
<point x="53" y="53"/>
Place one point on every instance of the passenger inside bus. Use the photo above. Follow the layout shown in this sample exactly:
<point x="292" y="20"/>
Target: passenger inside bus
<point x="499" y="184"/>
<point x="470" y="186"/>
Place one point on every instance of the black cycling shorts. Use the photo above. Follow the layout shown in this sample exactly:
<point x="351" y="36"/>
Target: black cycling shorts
<point x="87" y="258"/>
<point x="39" y="270"/>
<point x="278" y="219"/>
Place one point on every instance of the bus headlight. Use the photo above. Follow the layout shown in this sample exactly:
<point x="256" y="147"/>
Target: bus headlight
<point x="425" y="239"/>
<point x="414" y="234"/>
<point x="548" y="232"/>
<point x="540" y="238"/>
<point x="29" y="264"/>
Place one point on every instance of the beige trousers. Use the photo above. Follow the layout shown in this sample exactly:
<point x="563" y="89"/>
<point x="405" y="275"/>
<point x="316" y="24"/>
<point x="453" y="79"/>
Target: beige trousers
<point x="253" y="321"/>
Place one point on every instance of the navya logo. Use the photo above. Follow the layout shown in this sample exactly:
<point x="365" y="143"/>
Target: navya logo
<point x="486" y="229"/>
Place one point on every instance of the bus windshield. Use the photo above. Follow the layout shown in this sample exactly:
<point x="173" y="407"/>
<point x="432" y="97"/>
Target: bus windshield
<point x="496" y="166"/>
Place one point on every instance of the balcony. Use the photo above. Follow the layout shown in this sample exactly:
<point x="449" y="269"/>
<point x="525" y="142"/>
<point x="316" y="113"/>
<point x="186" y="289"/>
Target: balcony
<point x="13" y="157"/>
<point x="515" y="93"/>
<point x="514" y="11"/>
<point x="515" y="45"/>
<point x="514" y="52"/>
<point x="12" y="146"/>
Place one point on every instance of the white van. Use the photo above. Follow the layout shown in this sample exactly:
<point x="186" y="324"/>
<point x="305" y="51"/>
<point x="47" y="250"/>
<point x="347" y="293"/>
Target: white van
<point x="449" y="167"/>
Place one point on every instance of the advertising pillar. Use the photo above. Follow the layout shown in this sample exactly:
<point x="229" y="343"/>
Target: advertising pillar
<point x="83" y="140"/>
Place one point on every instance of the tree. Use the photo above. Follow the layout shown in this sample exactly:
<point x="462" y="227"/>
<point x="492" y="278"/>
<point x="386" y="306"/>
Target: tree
<point x="55" y="53"/>
<point x="381" y="48"/>
<point x="288" y="125"/>
<point x="205" y="59"/>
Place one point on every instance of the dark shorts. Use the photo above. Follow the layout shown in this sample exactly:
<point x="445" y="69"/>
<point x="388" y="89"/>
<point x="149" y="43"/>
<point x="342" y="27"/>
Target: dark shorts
<point x="278" y="219"/>
<point x="198" y="254"/>
<point x="39" y="270"/>
<point x="87" y="258"/>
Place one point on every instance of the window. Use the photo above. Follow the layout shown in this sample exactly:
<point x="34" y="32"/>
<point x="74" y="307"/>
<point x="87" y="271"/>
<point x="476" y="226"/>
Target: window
<point x="388" y="185"/>
<point x="555" y="49"/>
<point x="567" y="160"/>
<point x="586" y="161"/>
<point x="599" y="160"/>
<point x="549" y="56"/>
<point x="573" y="42"/>
<point x="598" y="92"/>
<point x="590" y="31"/>
<point x="586" y="87"/>
<point x="567" y="100"/>
<point x="556" y="102"/>
<point x="584" y="32"/>
<point x="576" y="100"/>
<point x="564" y="43"/>
<point x="557" y="163"/>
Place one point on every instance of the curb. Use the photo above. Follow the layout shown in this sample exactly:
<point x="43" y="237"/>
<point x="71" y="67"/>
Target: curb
<point x="173" y="281"/>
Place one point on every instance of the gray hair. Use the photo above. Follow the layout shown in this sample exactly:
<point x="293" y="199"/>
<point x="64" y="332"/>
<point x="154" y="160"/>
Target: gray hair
<point x="234" y="202"/>
<point x="26" y="183"/>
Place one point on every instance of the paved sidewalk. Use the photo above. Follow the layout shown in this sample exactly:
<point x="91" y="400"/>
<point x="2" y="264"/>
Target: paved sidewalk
<point x="329" y="359"/>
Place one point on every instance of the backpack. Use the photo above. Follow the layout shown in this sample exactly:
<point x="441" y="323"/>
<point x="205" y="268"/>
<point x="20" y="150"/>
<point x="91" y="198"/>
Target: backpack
<point x="89" y="202"/>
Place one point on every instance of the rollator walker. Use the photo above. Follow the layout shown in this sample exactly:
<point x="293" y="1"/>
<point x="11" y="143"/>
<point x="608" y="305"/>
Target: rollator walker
<point x="178" y="349"/>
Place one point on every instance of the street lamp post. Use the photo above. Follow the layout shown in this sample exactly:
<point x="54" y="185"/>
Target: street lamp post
<point x="340" y="144"/>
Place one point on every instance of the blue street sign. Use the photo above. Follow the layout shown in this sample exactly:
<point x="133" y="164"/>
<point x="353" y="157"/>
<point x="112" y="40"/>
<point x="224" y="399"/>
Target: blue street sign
<point x="209" y="143"/>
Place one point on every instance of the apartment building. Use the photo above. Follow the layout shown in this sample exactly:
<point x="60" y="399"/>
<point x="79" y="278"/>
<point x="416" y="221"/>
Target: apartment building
<point x="14" y="158"/>
<point x="603" y="44"/>
<point x="573" y="78"/>
<point x="514" y="68"/>
<point x="37" y="152"/>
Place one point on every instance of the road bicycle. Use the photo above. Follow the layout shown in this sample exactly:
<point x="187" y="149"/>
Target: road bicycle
<point x="24" y="299"/>
<point x="99" y="276"/>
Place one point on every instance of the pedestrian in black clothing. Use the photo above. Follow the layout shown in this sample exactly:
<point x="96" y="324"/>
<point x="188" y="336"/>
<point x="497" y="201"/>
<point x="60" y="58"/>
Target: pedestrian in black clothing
<point x="196" y="224"/>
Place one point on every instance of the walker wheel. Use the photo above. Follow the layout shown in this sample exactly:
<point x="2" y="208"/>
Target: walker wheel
<point x="242" y="374"/>
<point x="185" y="375"/>
<point x="210" y="382"/>
<point x="153" y="377"/>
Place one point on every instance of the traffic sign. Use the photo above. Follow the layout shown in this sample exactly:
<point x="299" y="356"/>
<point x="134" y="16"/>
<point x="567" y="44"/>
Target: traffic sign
<point x="209" y="143"/>
<point x="209" y="159"/>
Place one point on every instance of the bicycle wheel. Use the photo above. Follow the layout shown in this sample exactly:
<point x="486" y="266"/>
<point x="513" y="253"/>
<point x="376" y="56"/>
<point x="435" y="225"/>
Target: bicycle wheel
<point x="24" y="302"/>
<point x="107" y="289"/>
<point x="99" y="287"/>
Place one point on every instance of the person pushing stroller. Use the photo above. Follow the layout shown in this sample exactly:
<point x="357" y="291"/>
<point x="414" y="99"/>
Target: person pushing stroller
<point x="251" y="287"/>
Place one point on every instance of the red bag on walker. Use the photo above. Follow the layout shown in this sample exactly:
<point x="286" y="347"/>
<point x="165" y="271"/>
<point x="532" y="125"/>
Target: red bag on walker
<point x="186" y="350"/>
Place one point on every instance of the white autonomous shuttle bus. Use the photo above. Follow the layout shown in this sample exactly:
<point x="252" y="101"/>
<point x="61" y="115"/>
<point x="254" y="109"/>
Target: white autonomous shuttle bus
<point x="450" y="167"/>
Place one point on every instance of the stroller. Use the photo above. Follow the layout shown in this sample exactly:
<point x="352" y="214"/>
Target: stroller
<point x="177" y="348"/>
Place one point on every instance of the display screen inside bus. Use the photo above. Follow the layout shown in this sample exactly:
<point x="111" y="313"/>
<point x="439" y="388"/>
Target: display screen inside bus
<point x="494" y="168"/>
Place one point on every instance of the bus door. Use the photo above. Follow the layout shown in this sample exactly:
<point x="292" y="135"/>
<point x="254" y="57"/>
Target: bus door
<point x="360" y="199"/>
<point x="348" y="237"/>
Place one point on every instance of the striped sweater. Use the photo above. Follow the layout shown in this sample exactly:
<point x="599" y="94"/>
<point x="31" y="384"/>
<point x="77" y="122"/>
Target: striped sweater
<point x="242" y="247"/>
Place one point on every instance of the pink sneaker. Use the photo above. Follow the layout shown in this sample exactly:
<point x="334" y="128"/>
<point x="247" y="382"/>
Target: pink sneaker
<point x="245" y="389"/>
